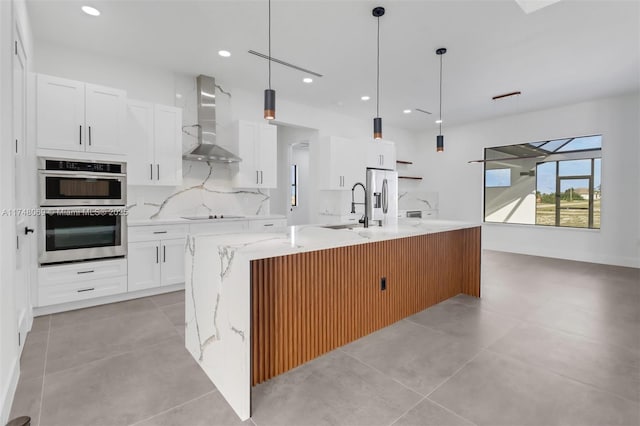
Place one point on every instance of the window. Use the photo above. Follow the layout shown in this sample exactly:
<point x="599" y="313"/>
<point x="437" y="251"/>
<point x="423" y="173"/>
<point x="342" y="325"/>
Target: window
<point x="552" y="183"/>
<point x="495" y="178"/>
<point x="294" y="185"/>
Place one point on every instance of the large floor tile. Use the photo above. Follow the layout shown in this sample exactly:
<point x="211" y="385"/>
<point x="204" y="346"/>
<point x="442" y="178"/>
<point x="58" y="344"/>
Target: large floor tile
<point x="468" y="322"/>
<point x="428" y="413"/>
<point x="123" y="389"/>
<point x="34" y="354"/>
<point x="414" y="355"/>
<point x="168" y="298"/>
<point x="74" y="345"/>
<point x="41" y="323"/>
<point x="611" y="368"/>
<point x="208" y="410"/>
<point x="604" y="326"/>
<point x="175" y="313"/>
<point x="334" y="389"/>
<point x="508" y="300"/>
<point x="494" y="390"/>
<point x="27" y="399"/>
<point x="97" y="313"/>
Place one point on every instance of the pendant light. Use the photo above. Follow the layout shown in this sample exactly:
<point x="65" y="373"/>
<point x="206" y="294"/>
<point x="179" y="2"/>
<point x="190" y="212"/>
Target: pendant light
<point x="377" y="121"/>
<point x="269" y="94"/>
<point x="440" y="139"/>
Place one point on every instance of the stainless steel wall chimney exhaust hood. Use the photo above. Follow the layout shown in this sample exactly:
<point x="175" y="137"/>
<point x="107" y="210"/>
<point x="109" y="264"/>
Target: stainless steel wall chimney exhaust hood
<point x="207" y="149"/>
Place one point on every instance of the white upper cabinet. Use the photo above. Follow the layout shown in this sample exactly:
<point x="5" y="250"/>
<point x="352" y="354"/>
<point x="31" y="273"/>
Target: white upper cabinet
<point x="168" y="144"/>
<point x="60" y="113"/>
<point x="154" y="144"/>
<point x="257" y="145"/>
<point x="76" y="116"/>
<point x="381" y="154"/>
<point x="341" y="163"/>
<point x="104" y="118"/>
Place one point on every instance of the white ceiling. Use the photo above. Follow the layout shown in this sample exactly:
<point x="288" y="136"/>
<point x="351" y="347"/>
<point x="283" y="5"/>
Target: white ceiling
<point x="563" y="53"/>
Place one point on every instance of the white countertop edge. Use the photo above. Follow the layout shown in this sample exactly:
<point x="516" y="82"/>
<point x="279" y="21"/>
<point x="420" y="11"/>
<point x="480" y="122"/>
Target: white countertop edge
<point x="254" y="246"/>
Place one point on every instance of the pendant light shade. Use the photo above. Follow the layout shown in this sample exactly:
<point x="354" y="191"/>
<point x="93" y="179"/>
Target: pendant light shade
<point x="377" y="128"/>
<point x="440" y="139"/>
<point x="377" y="12"/>
<point x="269" y="104"/>
<point x="269" y="94"/>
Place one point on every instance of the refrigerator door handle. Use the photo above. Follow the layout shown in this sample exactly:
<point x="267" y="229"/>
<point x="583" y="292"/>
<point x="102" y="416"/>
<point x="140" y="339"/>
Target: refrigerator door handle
<point x="385" y="196"/>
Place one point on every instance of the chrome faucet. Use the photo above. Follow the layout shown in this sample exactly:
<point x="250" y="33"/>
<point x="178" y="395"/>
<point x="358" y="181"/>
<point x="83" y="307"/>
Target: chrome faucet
<point x="365" y="216"/>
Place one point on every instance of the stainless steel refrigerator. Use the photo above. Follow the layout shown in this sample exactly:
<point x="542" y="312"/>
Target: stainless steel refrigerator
<point x="382" y="197"/>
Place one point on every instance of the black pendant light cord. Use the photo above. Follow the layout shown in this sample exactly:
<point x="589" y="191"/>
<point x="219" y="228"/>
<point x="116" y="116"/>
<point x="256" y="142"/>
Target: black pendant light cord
<point x="269" y="44"/>
<point x="440" y="94"/>
<point x="378" y="74"/>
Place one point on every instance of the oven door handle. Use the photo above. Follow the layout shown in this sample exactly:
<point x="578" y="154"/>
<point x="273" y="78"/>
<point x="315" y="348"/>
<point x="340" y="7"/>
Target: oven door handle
<point x="66" y="173"/>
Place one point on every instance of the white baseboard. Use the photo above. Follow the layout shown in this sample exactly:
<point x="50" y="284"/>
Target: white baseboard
<point x="9" y="392"/>
<point x="63" y="307"/>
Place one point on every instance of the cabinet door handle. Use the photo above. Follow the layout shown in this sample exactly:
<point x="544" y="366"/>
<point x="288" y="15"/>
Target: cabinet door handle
<point x="158" y="171"/>
<point x="261" y="176"/>
<point x="157" y="254"/>
<point x="268" y="224"/>
<point x="150" y="171"/>
<point x="89" y="135"/>
<point x="85" y="272"/>
<point x="159" y="232"/>
<point x="164" y="254"/>
<point x="257" y="176"/>
<point x="80" y="138"/>
<point x="86" y="289"/>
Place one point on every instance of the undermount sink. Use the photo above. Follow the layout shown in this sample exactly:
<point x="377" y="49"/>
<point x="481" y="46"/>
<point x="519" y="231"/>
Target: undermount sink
<point x="345" y="226"/>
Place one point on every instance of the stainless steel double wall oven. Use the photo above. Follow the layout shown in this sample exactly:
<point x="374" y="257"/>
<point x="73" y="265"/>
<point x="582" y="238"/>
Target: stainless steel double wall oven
<point x="82" y="210"/>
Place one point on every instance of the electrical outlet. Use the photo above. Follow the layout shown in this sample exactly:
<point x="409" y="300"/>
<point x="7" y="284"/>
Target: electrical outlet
<point x="383" y="283"/>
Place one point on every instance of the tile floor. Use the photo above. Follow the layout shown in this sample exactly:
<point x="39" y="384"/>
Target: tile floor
<point x="551" y="342"/>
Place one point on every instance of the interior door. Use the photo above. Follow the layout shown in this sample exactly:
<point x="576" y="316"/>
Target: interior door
<point x="23" y="239"/>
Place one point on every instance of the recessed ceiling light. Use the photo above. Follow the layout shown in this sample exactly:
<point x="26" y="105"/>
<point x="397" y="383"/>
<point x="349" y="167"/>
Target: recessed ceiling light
<point x="178" y="95"/>
<point x="224" y="53"/>
<point x="365" y="98"/>
<point x="407" y="111"/>
<point x="307" y="80"/>
<point x="90" y="10"/>
<point x="438" y="121"/>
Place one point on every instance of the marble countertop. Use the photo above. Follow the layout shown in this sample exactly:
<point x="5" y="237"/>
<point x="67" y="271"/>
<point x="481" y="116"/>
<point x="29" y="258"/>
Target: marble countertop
<point x="182" y="221"/>
<point x="305" y="238"/>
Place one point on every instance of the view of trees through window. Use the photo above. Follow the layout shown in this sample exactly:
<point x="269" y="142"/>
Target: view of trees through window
<point x="551" y="183"/>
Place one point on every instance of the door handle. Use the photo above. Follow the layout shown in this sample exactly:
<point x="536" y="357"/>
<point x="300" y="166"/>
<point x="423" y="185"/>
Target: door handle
<point x="385" y="197"/>
<point x="85" y="272"/>
<point x="89" y="135"/>
<point x="150" y="171"/>
<point x="80" y="134"/>
<point x="86" y="289"/>
<point x="158" y="171"/>
<point x="164" y="254"/>
<point x="261" y="177"/>
<point x="157" y="255"/>
<point x="257" y="176"/>
<point x="159" y="232"/>
<point x="28" y="230"/>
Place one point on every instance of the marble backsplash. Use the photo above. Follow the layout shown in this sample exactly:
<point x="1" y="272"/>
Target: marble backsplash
<point x="206" y="189"/>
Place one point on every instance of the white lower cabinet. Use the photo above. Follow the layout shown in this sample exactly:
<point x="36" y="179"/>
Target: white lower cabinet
<point x="80" y="281"/>
<point x="156" y="256"/>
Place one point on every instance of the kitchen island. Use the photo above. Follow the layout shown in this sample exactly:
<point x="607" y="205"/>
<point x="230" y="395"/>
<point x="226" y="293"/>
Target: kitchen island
<point x="259" y="304"/>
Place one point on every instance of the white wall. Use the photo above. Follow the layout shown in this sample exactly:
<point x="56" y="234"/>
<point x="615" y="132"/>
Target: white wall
<point x="12" y="14"/>
<point x="460" y="184"/>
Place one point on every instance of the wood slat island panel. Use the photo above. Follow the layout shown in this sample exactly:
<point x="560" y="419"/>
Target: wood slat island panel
<point x="307" y="304"/>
